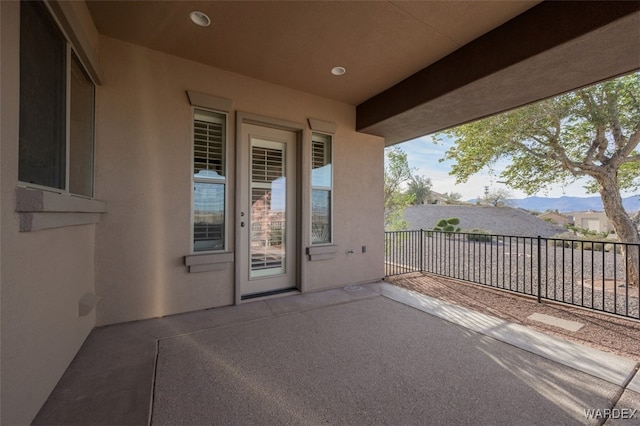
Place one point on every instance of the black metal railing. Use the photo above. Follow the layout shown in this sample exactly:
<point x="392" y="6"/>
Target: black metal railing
<point x="589" y="274"/>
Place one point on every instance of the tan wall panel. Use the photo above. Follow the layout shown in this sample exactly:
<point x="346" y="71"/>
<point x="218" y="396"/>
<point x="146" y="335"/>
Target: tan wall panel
<point x="143" y="157"/>
<point x="43" y="274"/>
<point x="358" y="215"/>
<point x="143" y="171"/>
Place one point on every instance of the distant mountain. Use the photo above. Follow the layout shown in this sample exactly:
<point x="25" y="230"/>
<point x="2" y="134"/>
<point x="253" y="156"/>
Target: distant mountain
<point x="571" y="204"/>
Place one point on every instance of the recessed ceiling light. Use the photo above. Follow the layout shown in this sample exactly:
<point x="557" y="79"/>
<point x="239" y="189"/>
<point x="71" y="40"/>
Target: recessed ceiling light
<point x="200" y="18"/>
<point x="338" y="70"/>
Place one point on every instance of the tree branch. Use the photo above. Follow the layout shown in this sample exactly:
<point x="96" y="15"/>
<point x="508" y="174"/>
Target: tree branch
<point x="560" y="156"/>
<point x="631" y="159"/>
<point x="599" y="145"/>
<point x="623" y="153"/>
<point x="614" y="121"/>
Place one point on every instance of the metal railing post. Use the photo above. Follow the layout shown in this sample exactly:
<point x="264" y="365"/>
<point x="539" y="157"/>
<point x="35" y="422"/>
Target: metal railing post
<point x="539" y="272"/>
<point x="421" y="251"/>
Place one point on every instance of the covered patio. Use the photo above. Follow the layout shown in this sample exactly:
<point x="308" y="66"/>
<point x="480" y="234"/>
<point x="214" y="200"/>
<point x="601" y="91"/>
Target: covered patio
<point x="362" y="354"/>
<point x="167" y="167"/>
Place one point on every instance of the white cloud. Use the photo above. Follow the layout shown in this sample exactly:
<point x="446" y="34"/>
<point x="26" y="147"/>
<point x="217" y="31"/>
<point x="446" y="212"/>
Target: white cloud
<point x="474" y="188"/>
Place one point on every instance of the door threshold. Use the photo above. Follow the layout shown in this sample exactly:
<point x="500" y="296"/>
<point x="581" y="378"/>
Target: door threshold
<point x="269" y="294"/>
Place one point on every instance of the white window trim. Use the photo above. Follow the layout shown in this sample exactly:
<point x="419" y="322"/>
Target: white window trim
<point x="324" y="188"/>
<point x="225" y="248"/>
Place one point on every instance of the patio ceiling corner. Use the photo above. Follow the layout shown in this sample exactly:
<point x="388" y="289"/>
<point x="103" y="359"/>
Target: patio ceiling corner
<point x="550" y="49"/>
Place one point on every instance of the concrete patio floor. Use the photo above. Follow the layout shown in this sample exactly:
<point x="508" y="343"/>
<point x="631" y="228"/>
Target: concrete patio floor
<point x="368" y="354"/>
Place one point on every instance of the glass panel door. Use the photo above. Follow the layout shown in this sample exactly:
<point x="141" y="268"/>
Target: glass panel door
<point x="268" y="214"/>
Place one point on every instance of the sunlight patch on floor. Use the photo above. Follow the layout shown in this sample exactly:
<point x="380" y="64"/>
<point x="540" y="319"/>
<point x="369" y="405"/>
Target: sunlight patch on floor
<point x="556" y="322"/>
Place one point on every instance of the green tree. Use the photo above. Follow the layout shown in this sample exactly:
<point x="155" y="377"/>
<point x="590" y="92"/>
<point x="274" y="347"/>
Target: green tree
<point x="591" y="132"/>
<point x="420" y="189"/>
<point x="451" y="197"/>
<point x="396" y="174"/>
<point x="498" y="198"/>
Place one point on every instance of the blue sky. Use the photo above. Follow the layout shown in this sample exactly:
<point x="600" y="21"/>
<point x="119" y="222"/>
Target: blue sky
<point x="423" y="155"/>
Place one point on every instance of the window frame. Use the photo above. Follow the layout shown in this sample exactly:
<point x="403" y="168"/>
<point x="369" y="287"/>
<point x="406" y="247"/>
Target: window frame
<point x="330" y="189"/>
<point x="71" y="54"/>
<point x="223" y="180"/>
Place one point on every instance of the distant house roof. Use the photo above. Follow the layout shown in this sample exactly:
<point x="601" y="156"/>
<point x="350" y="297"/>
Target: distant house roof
<point x="556" y="217"/>
<point x="497" y="220"/>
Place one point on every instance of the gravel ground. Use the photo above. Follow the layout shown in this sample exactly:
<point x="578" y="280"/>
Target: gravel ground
<point x="495" y="220"/>
<point x="605" y="332"/>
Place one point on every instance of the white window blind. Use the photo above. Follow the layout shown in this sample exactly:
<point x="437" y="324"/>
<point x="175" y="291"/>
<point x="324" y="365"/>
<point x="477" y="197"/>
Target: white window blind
<point x="321" y="189"/>
<point x="318" y="154"/>
<point x="208" y="145"/>
<point x="267" y="164"/>
<point x="209" y="186"/>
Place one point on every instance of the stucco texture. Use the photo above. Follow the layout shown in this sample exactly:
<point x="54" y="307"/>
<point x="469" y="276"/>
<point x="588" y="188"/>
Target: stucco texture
<point x="43" y="274"/>
<point x="143" y="170"/>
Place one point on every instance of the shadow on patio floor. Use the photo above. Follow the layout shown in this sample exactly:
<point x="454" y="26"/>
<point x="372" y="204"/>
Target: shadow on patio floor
<point x="371" y="354"/>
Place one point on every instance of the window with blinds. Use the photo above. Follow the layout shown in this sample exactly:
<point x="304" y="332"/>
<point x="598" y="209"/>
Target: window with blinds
<point x="268" y="208"/>
<point x="321" y="189"/>
<point x="209" y="180"/>
<point x="319" y="154"/>
<point x="267" y="164"/>
<point x="208" y="144"/>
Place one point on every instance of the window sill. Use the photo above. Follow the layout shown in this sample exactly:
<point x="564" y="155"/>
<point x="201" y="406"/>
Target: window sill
<point x="208" y="262"/>
<point x="40" y="210"/>
<point x="324" y="252"/>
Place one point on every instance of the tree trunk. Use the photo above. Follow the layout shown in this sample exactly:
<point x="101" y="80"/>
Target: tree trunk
<point x="636" y="220"/>
<point x="622" y="223"/>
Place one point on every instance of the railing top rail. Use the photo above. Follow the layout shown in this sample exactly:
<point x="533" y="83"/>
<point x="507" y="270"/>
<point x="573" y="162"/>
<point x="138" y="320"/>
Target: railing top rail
<point x="578" y="240"/>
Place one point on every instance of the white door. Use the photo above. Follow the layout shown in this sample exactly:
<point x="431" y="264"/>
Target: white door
<point x="591" y="224"/>
<point x="268" y="216"/>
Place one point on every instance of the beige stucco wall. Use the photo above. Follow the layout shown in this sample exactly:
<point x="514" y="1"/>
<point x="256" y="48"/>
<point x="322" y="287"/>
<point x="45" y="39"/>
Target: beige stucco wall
<point x="358" y="215"/>
<point x="133" y="259"/>
<point x="43" y="274"/>
<point x="143" y="158"/>
<point x="583" y="219"/>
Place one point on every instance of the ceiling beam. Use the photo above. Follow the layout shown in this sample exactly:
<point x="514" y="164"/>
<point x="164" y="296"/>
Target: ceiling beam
<point x="515" y="51"/>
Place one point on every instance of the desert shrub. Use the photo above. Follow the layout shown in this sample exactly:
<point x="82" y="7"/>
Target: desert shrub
<point x="479" y="235"/>
<point x="583" y="244"/>
<point x="560" y="243"/>
<point x="447" y="225"/>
